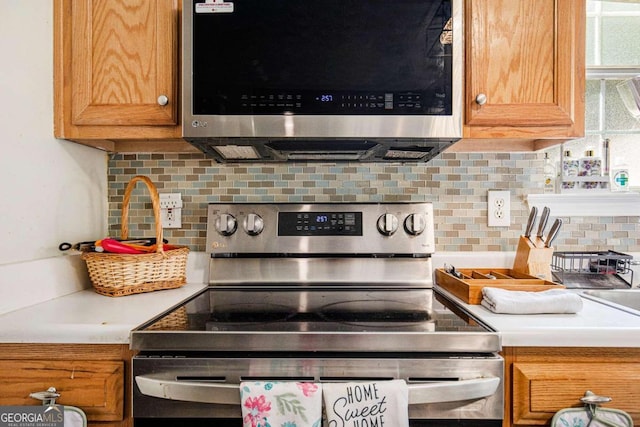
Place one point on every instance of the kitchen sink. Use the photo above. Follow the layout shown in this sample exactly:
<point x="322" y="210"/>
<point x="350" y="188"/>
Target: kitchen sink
<point x="629" y="298"/>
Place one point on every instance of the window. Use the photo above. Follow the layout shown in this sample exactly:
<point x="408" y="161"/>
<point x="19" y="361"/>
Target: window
<point x="613" y="57"/>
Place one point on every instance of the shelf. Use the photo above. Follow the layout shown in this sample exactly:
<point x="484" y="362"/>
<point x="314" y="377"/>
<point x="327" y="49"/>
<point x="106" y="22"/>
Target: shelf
<point x="581" y="204"/>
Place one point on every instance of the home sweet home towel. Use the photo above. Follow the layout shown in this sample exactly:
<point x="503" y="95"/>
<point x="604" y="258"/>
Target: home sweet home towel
<point x="367" y="404"/>
<point x="278" y="404"/>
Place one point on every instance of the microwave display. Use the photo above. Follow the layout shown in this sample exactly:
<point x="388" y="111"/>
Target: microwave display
<point x="326" y="57"/>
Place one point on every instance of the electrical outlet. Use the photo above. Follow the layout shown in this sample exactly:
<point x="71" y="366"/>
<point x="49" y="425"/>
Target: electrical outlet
<point x="171" y="210"/>
<point x="499" y="208"/>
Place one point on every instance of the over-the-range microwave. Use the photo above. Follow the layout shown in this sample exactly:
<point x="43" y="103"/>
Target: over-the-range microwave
<point x="327" y="80"/>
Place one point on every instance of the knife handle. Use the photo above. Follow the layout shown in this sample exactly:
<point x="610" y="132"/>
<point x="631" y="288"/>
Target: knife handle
<point x="544" y="217"/>
<point x="531" y="221"/>
<point x="553" y="233"/>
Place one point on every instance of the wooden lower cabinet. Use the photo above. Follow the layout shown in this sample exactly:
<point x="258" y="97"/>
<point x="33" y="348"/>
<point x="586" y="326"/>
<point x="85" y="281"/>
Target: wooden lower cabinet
<point x="540" y="381"/>
<point x="95" y="378"/>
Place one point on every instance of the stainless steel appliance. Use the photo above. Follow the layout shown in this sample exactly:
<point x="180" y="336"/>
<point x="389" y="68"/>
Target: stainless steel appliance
<point x="322" y="293"/>
<point x="327" y="80"/>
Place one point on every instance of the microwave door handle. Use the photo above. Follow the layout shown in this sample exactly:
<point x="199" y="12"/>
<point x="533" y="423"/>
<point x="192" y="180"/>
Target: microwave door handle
<point x="229" y="394"/>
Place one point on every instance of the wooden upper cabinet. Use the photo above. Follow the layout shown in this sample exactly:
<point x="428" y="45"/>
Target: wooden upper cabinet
<point x="526" y="58"/>
<point x="116" y="69"/>
<point x="114" y="59"/>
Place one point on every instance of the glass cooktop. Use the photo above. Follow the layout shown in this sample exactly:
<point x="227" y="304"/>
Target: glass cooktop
<point x="316" y="318"/>
<point x="238" y="309"/>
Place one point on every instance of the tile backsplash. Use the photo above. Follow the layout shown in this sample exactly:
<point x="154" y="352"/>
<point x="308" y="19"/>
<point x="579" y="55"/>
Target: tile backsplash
<point x="456" y="183"/>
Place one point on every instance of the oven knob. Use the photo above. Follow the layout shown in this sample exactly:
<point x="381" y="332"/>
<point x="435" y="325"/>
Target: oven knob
<point x="415" y="224"/>
<point x="253" y="224"/>
<point x="387" y="224"/>
<point x="226" y="224"/>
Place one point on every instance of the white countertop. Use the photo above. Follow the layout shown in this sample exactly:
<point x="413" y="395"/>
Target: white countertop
<point x="596" y="325"/>
<point x="86" y="317"/>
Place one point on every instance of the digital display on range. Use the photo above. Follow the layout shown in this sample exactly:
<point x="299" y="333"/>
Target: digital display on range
<point x="320" y="224"/>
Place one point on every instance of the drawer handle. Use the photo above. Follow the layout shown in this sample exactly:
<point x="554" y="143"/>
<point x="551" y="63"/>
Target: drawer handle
<point x="163" y="100"/>
<point x="48" y="397"/>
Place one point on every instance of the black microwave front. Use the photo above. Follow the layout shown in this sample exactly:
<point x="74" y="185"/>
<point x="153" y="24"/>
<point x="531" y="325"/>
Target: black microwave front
<point x="322" y="69"/>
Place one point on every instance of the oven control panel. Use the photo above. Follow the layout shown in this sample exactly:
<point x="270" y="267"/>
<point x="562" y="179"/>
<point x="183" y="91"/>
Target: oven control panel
<point x="321" y="228"/>
<point x="320" y="223"/>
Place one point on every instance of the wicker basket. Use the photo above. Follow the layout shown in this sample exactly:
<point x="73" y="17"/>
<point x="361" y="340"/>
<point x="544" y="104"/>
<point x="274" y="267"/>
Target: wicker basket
<point x="117" y="275"/>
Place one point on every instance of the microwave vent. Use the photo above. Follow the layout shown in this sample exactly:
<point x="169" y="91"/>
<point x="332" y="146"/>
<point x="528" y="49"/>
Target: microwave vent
<point x="237" y="152"/>
<point x="320" y="149"/>
<point x="406" y="154"/>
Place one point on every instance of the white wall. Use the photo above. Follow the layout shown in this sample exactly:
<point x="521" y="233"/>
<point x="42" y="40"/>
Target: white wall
<point x="51" y="190"/>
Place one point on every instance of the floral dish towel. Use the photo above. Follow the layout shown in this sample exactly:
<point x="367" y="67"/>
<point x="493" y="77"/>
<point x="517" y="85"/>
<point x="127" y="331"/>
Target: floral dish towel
<point x="281" y="404"/>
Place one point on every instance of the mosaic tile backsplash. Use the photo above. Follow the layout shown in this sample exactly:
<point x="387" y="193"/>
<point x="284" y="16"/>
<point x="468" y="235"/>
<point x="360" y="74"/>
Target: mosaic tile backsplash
<point x="456" y="183"/>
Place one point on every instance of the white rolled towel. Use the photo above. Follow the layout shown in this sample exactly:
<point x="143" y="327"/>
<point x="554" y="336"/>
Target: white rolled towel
<point x="523" y="302"/>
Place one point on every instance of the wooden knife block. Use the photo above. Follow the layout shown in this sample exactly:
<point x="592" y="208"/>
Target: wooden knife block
<point x="533" y="259"/>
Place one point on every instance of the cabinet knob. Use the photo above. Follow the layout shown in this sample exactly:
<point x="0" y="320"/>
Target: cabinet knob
<point x="163" y="100"/>
<point x="481" y="99"/>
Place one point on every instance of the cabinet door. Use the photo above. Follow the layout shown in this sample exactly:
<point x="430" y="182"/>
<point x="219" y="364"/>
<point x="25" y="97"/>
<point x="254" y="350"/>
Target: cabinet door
<point x="96" y="387"/>
<point x="542" y="389"/>
<point x="116" y="66"/>
<point x="525" y="58"/>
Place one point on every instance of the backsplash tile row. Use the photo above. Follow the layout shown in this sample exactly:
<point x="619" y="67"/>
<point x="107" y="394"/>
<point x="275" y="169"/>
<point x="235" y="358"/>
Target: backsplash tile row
<point x="456" y="183"/>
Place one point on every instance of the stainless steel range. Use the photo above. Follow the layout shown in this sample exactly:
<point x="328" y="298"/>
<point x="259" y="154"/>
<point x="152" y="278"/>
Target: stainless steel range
<point x="321" y="293"/>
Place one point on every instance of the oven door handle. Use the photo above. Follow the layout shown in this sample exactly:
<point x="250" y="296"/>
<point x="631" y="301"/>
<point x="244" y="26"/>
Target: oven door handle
<point x="452" y="391"/>
<point x="229" y="394"/>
